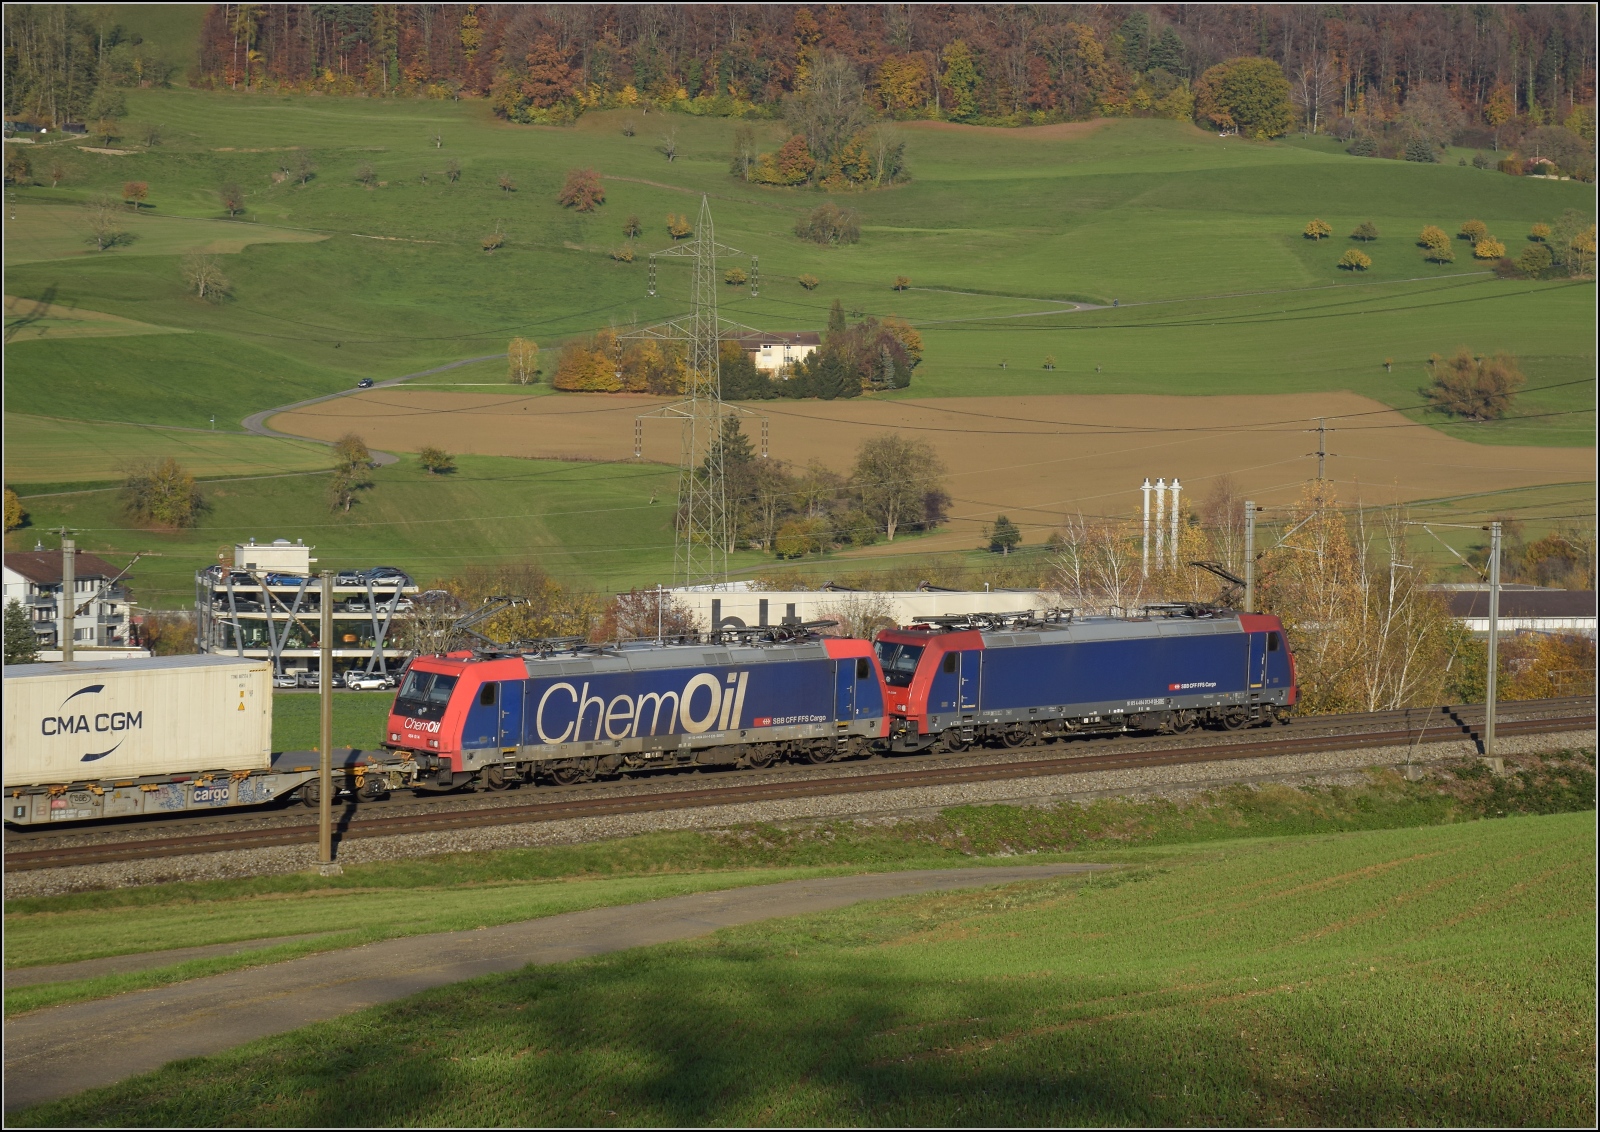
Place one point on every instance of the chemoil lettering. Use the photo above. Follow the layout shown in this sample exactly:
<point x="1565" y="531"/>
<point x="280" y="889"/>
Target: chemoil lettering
<point x="568" y="713"/>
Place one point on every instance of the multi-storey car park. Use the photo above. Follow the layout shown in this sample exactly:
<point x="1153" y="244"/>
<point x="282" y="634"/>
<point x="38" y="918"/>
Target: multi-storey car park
<point x="268" y="606"/>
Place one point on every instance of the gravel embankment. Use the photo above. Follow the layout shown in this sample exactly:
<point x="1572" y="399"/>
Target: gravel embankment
<point x="1176" y="782"/>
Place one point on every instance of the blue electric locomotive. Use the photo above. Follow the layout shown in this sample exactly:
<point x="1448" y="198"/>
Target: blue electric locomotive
<point x="1013" y="680"/>
<point x="574" y="715"/>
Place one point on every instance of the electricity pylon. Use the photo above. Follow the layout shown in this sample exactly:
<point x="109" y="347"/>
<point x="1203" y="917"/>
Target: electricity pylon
<point x="703" y="537"/>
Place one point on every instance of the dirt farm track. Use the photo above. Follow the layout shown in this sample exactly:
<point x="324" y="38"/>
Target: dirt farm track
<point x="1032" y="458"/>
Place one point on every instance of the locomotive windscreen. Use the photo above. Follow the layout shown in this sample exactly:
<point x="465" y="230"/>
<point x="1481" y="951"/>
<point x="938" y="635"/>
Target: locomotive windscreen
<point x="899" y="662"/>
<point x="424" y="695"/>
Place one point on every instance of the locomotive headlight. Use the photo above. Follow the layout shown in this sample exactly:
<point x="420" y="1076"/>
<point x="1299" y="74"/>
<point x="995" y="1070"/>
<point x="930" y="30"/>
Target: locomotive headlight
<point x="394" y="737"/>
<point x="433" y="743"/>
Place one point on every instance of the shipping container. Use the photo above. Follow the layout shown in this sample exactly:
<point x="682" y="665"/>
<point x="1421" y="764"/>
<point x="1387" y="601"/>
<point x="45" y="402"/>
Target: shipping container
<point x="116" y="720"/>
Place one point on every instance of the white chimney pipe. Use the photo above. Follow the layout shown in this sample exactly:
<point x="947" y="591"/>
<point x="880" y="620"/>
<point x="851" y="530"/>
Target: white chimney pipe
<point x="1145" y="562"/>
<point x="1177" y="489"/>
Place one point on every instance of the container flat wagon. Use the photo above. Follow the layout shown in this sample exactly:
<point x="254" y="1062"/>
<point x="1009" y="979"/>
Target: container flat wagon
<point x="125" y="738"/>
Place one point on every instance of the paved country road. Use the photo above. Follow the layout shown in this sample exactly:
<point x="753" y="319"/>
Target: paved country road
<point x="56" y="1052"/>
<point x="257" y="422"/>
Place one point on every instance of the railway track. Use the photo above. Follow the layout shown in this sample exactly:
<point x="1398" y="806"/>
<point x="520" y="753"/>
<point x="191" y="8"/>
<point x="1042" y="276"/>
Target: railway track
<point x="1418" y="724"/>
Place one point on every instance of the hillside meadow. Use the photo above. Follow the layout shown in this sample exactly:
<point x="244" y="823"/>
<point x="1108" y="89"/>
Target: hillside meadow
<point x="1017" y="242"/>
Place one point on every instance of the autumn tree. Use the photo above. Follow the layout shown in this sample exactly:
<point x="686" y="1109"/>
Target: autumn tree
<point x="1354" y="260"/>
<point x="1534" y="261"/>
<point x="304" y="168"/>
<point x="583" y="190"/>
<point x="452" y="170"/>
<point x="105" y="225"/>
<point x="506" y="182"/>
<point x="523" y="358"/>
<point x="203" y="274"/>
<point x="1366" y="232"/>
<point x="902" y="282"/>
<point x="829" y="110"/>
<point x="631" y="228"/>
<point x="231" y="197"/>
<point x="160" y="493"/>
<point x="648" y="615"/>
<point x="435" y="460"/>
<point x="1477" y="388"/>
<point x="1500" y="108"/>
<point x="829" y="224"/>
<point x="1435" y="244"/>
<point x="893" y="478"/>
<point x="1246" y="95"/>
<point x="735" y="277"/>
<point x="960" y="78"/>
<point x="135" y="192"/>
<point x="808" y="281"/>
<point x="351" y="451"/>
<point x="495" y="240"/>
<point x="1318" y="230"/>
<point x="1540" y="232"/>
<point x="678" y="227"/>
<point x="1488" y="248"/>
<point x="1473" y="231"/>
<point x="15" y="514"/>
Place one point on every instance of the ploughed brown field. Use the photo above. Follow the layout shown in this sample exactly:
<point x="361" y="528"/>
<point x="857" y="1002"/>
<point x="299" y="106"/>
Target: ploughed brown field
<point x="1034" y="459"/>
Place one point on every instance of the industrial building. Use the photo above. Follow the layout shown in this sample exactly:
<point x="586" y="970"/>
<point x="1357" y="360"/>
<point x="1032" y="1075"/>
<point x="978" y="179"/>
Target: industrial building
<point x="267" y="605"/>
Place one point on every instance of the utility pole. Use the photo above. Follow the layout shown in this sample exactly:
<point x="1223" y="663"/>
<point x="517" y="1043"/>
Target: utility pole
<point x="325" y="777"/>
<point x="1249" y="556"/>
<point x="67" y="617"/>
<point x="1145" y="567"/>
<point x="1494" y="640"/>
<point x="1322" y="452"/>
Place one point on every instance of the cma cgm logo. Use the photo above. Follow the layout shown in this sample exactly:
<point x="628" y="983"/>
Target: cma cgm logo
<point x="565" y="711"/>
<point x="88" y="723"/>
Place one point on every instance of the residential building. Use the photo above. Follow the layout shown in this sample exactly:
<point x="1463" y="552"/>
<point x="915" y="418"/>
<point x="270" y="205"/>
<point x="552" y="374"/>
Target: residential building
<point x="778" y="352"/>
<point x="33" y="578"/>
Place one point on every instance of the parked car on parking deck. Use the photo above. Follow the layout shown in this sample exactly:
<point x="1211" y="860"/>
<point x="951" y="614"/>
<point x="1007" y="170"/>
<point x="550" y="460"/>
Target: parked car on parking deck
<point x="284" y="579"/>
<point x="366" y="682"/>
<point x="348" y="578"/>
<point x="286" y="680"/>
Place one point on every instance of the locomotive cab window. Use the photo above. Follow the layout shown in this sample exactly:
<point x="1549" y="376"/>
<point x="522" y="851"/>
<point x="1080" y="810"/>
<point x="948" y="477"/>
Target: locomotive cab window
<point x="899" y="662"/>
<point x="1272" y="642"/>
<point x="486" y="694"/>
<point x="949" y="662"/>
<point x="862" y="669"/>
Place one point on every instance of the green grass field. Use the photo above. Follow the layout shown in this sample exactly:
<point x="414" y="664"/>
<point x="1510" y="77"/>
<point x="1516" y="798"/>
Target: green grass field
<point x="608" y="524"/>
<point x="1382" y="977"/>
<point x="1197" y="237"/>
<point x="358" y="719"/>
<point x="36" y="448"/>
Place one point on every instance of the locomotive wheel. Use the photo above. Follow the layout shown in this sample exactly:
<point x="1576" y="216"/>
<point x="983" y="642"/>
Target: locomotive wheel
<point x="311" y="793"/>
<point x="1183" y="721"/>
<point x="1014" y="736"/>
<point x="494" y="778"/>
<point x="1235" y="718"/>
<point x="371" y="789"/>
<point x="569" y="772"/>
<point x="952" y="741"/>
<point x="761" y="755"/>
<point x="818" y="753"/>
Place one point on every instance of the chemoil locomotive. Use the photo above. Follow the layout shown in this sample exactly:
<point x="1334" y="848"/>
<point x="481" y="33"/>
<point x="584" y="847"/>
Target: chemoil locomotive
<point x="1011" y="679"/>
<point x="577" y="713"/>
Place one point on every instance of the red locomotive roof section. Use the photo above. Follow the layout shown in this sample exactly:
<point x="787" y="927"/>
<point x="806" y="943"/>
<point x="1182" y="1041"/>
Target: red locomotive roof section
<point x="1259" y="623"/>
<point x="841" y="647"/>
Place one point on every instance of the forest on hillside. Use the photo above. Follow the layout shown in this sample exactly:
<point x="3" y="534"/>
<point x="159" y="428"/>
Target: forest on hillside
<point x="1006" y="63"/>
